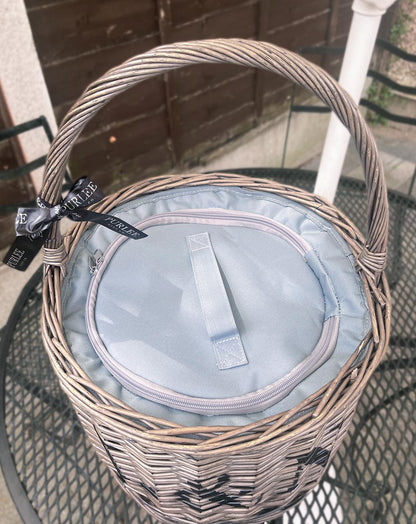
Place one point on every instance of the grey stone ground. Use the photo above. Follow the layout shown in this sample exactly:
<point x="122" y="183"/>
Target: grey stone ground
<point x="398" y="147"/>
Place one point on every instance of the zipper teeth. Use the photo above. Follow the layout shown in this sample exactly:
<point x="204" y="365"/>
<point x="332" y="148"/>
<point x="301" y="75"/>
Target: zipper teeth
<point x="286" y="233"/>
<point x="247" y="403"/>
<point x="257" y="401"/>
<point x="294" y="239"/>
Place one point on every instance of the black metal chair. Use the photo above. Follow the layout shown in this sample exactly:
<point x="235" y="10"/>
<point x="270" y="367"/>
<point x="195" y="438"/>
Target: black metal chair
<point x="393" y="384"/>
<point x="18" y="172"/>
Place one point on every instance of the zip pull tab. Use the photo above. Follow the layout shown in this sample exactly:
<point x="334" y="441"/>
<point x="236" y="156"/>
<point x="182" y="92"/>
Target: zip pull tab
<point x="95" y="261"/>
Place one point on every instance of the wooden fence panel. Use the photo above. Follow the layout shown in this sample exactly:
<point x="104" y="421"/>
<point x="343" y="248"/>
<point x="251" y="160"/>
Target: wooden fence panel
<point x="65" y="30"/>
<point x="172" y="119"/>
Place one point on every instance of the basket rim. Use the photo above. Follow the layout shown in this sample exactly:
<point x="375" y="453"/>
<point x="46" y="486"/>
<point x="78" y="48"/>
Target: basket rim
<point x="334" y="397"/>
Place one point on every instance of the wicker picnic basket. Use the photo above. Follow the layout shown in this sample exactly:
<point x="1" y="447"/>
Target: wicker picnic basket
<point x="236" y="473"/>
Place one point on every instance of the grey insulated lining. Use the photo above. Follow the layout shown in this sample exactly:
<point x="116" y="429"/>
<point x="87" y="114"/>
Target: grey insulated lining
<point x="150" y="322"/>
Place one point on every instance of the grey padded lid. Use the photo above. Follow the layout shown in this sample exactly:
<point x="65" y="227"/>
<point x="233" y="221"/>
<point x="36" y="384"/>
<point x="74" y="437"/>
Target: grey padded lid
<point x="274" y="275"/>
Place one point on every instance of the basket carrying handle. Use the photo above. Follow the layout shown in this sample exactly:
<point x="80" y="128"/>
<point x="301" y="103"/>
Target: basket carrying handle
<point x="236" y="51"/>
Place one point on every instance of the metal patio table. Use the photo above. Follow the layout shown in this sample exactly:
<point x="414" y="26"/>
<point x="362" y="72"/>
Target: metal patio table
<point x="54" y="475"/>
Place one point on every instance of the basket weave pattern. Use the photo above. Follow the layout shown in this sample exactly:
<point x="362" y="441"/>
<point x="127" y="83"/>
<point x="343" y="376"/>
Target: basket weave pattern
<point x="220" y="474"/>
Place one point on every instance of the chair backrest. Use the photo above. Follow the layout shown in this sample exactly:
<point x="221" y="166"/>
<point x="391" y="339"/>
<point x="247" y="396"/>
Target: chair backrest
<point x="367" y="102"/>
<point x="18" y="172"/>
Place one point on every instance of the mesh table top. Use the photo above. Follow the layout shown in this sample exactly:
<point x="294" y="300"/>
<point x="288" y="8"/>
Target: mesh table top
<point x="54" y="475"/>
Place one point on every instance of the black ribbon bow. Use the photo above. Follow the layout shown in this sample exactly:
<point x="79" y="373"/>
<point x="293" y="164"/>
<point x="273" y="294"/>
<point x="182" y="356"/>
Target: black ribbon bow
<point x="33" y="224"/>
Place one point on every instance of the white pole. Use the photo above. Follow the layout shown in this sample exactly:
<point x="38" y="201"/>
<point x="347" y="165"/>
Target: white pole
<point x="360" y="44"/>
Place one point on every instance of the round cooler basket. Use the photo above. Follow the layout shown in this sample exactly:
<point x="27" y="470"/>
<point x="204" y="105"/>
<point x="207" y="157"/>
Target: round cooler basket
<point x="216" y="364"/>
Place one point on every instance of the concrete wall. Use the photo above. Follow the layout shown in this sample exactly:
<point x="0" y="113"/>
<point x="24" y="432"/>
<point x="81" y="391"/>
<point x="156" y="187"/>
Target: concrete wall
<point x="22" y="80"/>
<point x="263" y="146"/>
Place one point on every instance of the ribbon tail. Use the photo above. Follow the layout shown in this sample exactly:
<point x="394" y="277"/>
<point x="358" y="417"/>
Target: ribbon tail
<point x="23" y="250"/>
<point x="109" y="221"/>
<point x="82" y="194"/>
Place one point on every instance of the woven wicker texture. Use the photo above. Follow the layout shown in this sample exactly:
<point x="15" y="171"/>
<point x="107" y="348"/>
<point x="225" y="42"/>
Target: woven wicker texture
<point x="220" y="474"/>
